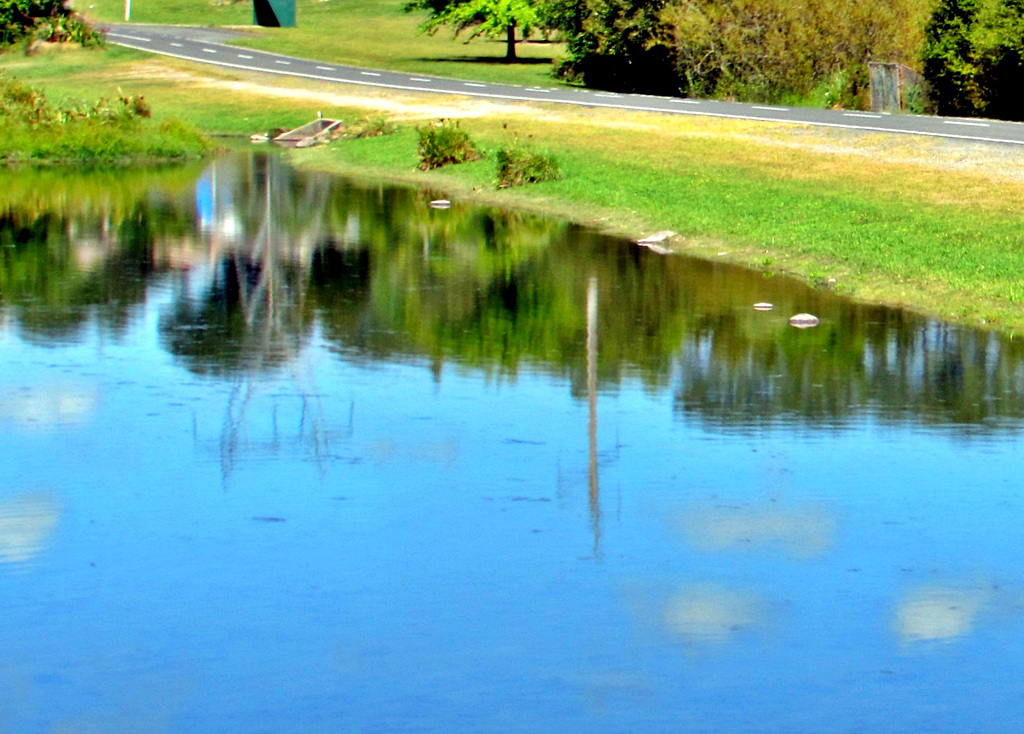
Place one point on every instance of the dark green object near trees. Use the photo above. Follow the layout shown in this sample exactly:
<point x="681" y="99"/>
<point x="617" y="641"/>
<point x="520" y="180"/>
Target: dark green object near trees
<point x="492" y="18"/>
<point x="274" y="13"/>
<point x="43" y="20"/>
<point x="974" y="58"/>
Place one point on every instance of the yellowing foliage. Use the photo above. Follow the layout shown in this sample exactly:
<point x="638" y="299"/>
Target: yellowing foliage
<point x="770" y="49"/>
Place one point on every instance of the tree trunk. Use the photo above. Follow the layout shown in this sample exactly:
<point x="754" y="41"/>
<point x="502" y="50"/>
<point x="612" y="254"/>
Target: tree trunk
<point x="510" y="43"/>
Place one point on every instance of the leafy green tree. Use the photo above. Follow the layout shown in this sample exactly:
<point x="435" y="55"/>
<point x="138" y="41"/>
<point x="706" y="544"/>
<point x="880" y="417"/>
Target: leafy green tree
<point x="999" y="50"/>
<point x="974" y="58"/>
<point x="616" y="44"/>
<point x="48" y="20"/>
<point x="949" y="65"/>
<point x="492" y="18"/>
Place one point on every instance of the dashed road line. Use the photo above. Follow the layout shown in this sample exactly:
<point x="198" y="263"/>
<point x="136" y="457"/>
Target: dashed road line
<point x="867" y="115"/>
<point x="369" y="73"/>
<point x="669" y="105"/>
<point x="244" y="56"/>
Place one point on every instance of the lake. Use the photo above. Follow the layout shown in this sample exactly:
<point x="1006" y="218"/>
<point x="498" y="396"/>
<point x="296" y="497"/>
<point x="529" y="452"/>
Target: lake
<point x="284" y="452"/>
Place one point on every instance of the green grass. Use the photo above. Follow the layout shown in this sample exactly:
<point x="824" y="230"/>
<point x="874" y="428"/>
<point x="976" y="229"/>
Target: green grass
<point x="885" y="227"/>
<point x="958" y="260"/>
<point x="109" y="128"/>
<point x="89" y="73"/>
<point x="372" y="33"/>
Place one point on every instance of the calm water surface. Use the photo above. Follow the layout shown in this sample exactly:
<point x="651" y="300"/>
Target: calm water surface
<point x="282" y="453"/>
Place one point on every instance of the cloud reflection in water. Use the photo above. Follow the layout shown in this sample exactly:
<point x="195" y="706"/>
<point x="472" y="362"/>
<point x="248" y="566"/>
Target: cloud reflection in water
<point x="49" y="405"/>
<point x="803" y="532"/>
<point x="27" y="522"/>
<point x="708" y="613"/>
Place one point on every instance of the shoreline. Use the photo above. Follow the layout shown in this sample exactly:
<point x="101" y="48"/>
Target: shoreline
<point x="927" y="225"/>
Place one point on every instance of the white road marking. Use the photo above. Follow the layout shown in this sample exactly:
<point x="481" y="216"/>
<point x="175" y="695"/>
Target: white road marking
<point x="964" y="122"/>
<point x="473" y="84"/>
<point x="422" y="81"/>
<point x="608" y="94"/>
<point x="244" y="56"/>
<point x="210" y="50"/>
<point x="177" y="45"/>
<point x="135" y="38"/>
<point x="769" y="109"/>
<point x="369" y="73"/>
<point x="643" y="108"/>
<point x="862" y="114"/>
<point x="325" y="68"/>
<point x="283" y="63"/>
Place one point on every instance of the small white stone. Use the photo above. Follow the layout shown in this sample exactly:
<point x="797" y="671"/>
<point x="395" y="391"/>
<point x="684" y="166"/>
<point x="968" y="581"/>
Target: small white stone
<point x="804" y="320"/>
<point x="656" y="239"/>
<point x="440" y="204"/>
<point x="763" y="306"/>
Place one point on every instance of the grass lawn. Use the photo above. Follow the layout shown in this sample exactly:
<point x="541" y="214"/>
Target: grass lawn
<point x="372" y="33"/>
<point x="928" y="224"/>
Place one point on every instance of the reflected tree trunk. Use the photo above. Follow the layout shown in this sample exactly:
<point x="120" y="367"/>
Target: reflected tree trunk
<point x="595" y="490"/>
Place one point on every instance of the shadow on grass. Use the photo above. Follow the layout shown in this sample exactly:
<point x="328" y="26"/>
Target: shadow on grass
<point x="497" y="60"/>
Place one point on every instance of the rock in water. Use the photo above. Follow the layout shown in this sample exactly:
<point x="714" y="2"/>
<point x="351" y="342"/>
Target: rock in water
<point x="804" y="320"/>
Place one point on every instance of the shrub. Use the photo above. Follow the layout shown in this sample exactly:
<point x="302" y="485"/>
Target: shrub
<point x="370" y="127"/>
<point x="44" y="20"/>
<point x="31" y="128"/>
<point x="443" y="143"/>
<point x="518" y="166"/>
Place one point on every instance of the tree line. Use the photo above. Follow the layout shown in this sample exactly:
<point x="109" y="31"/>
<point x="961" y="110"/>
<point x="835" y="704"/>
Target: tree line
<point x="43" y="20"/>
<point x="971" y="52"/>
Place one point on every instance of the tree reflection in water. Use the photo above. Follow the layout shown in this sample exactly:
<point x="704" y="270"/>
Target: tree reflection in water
<point x="264" y="258"/>
<point x="260" y="276"/>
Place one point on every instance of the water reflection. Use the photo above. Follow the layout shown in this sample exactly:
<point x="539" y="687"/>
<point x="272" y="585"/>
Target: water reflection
<point x="453" y="438"/>
<point x="262" y="257"/>
<point x="51" y="405"/>
<point x="712" y="614"/>
<point x="943" y="613"/>
<point x="802" y="532"/>
<point x="27" y="523"/>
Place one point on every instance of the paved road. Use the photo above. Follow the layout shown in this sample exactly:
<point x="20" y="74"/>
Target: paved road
<point x="209" y="46"/>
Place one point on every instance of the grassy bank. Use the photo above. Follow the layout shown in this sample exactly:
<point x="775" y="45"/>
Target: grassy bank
<point x="902" y="233"/>
<point x="373" y="33"/>
<point x="111" y="128"/>
<point x="930" y="225"/>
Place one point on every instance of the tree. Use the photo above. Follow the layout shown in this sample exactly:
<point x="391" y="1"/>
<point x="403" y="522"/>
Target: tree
<point x="949" y="65"/>
<point x="615" y="44"/>
<point x="974" y="58"/>
<point x="47" y="20"/>
<point x="493" y="18"/>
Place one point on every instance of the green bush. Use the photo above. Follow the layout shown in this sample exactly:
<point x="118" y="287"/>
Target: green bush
<point x="518" y="166"/>
<point x="444" y="143"/>
<point x="109" y="130"/>
<point x="974" y="58"/>
<point x="370" y="127"/>
<point x="44" y="20"/>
